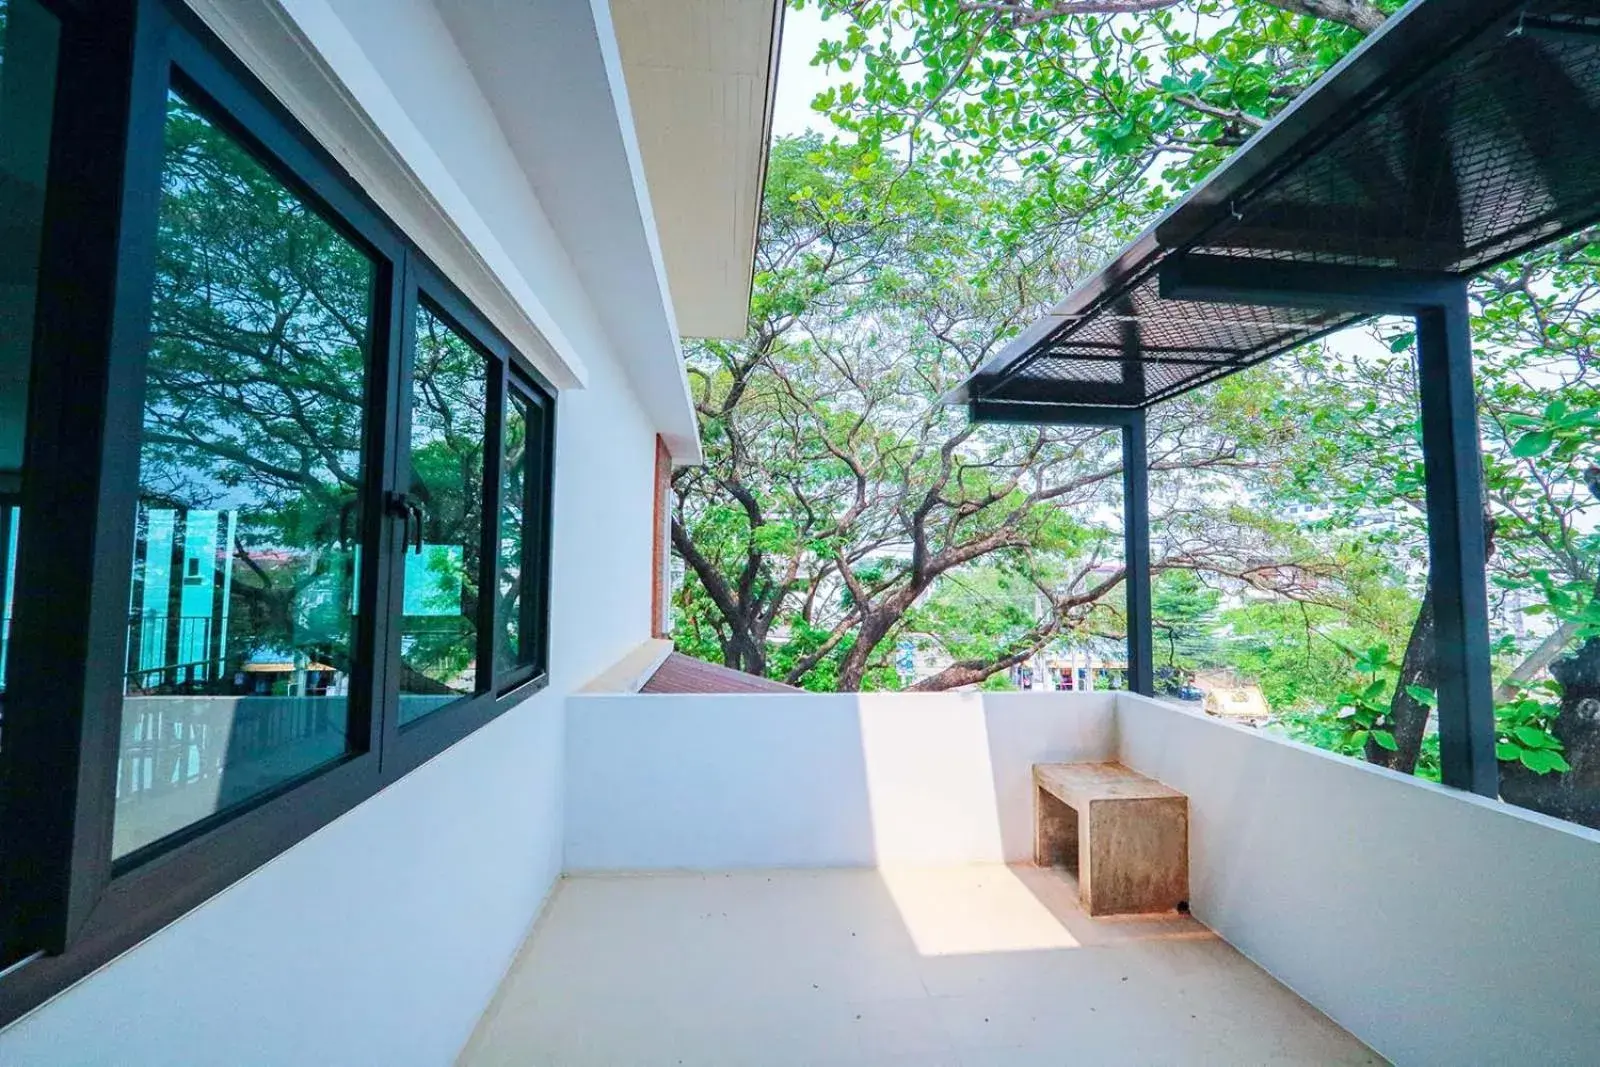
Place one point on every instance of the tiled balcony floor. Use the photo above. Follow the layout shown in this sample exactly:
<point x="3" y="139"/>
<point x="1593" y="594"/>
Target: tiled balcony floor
<point x="980" y="965"/>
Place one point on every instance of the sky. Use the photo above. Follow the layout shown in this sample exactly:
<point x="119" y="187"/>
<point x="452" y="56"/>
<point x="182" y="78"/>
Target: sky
<point x="798" y="81"/>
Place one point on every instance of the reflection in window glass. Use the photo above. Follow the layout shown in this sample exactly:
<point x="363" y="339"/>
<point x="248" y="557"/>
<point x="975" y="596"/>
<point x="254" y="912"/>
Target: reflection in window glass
<point x="10" y="524"/>
<point x="515" y="646"/>
<point x="439" y="638"/>
<point x="242" y="615"/>
<point x="28" y="45"/>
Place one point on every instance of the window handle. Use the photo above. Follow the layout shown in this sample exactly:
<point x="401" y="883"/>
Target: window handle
<point x="415" y="508"/>
<point x="399" y="506"/>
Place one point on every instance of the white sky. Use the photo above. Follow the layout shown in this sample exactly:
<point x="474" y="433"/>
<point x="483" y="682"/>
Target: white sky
<point x="798" y="81"/>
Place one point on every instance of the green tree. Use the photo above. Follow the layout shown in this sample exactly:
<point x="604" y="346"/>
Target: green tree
<point x="1184" y="623"/>
<point x="1019" y="142"/>
<point x="838" y="492"/>
<point x="1111" y="106"/>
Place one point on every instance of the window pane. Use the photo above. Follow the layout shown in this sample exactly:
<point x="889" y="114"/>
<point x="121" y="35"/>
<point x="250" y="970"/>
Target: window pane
<point x="242" y="621"/>
<point x="10" y="526"/>
<point x="28" y="42"/>
<point x="515" y="646"/>
<point x="439" y="639"/>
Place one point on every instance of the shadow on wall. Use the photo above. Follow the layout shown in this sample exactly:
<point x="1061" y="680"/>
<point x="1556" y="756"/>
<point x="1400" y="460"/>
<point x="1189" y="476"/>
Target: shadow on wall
<point x="713" y="782"/>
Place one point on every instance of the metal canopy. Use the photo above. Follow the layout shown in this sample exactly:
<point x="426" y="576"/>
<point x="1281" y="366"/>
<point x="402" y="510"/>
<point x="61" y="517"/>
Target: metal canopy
<point x="1462" y="133"/>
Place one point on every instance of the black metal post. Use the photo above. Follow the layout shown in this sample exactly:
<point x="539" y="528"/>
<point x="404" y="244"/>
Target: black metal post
<point x="1458" y="546"/>
<point x="1136" y="554"/>
<point x="1135" y="509"/>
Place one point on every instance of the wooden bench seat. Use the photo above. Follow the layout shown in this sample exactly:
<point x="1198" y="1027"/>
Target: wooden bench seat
<point x="1126" y="835"/>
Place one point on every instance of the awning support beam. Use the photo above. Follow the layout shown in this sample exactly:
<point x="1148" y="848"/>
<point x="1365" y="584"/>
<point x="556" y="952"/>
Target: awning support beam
<point x="1452" y="460"/>
<point x="1135" y="509"/>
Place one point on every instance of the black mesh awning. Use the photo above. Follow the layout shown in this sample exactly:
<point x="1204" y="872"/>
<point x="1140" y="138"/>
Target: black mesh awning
<point x="1461" y="134"/>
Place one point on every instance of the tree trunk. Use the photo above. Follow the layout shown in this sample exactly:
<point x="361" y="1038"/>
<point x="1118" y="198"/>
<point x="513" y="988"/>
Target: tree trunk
<point x="1419" y="667"/>
<point x="743" y="651"/>
<point x="853" y="668"/>
<point x="744" y="645"/>
<point x="1360" y="14"/>
<point x="968" y="672"/>
<point x="1538" y="660"/>
<point x="1408" y="716"/>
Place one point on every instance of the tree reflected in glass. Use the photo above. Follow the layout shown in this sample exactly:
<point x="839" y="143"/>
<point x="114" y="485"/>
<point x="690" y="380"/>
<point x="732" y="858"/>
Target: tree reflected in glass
<point x="513" y="649"/>
<point x="449" y="401"/>
<point x="243" y="608"/>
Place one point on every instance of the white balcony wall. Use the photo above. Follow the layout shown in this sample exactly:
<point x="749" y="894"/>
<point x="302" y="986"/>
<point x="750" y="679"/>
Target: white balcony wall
<point x="1437" y="926"/>
<point x="712" y="782"/>
<point x="381" y="938"/>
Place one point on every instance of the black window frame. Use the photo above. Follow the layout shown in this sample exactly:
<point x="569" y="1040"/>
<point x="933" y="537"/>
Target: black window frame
<point x="408" y="746"/>
<point x="535" y="561"/>
<point x="66" y="907"/>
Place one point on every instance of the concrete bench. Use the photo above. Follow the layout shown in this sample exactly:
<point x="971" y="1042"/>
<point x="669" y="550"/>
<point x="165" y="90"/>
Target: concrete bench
<point x="1126" y="835"/>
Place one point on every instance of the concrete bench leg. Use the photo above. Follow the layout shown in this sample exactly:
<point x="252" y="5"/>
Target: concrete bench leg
<point x="1137" y="858"/>
<point x="1055" y="832"/>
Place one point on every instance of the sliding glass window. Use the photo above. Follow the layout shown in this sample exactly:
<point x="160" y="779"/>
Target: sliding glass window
<point x="444" y="564"/>
<point x="29" y="38"/>
<point x="519" y="636"/>
<point x="242" y="628"/>
<point x="284" y="535"/>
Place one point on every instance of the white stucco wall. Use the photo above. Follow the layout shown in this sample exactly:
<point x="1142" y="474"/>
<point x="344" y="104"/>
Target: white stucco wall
<point x="381" y="938"/>
<point x="697" y="781"/>
<point x="1436" y="926"/>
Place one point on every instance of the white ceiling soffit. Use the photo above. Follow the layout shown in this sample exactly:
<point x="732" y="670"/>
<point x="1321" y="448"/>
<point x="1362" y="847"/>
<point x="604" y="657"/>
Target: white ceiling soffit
<point x="550" y="70"/>
<point x="700" y="78"/>
<point x="308" y="59"/>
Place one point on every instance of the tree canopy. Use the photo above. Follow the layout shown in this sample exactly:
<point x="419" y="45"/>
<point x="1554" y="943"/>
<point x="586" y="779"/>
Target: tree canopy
<point x="989" y="155"/>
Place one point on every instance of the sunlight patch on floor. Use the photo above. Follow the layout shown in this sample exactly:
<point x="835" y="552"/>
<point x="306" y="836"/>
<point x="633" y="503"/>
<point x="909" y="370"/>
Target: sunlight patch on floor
<point x="868" y="968"/>
<point x="991" y="911"/>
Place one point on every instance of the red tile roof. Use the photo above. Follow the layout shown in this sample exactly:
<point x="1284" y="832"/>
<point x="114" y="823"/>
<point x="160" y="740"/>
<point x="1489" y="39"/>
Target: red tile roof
<point x="684" y="674"/>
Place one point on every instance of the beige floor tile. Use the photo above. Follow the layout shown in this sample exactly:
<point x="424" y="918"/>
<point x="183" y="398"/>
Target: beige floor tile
<point x="981" y="966"/>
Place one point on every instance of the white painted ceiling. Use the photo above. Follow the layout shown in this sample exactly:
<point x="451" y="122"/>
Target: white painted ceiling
<point x="700" y="77"/>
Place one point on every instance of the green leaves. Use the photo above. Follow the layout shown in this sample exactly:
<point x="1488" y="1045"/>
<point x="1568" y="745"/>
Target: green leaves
<point x="1524" y="727"/>
<point x="1374" y="659"/>
<point x="1424" y="696"/>
<point x="1535" y="737"/>
<point x="1073" y="105"/>
<point x="1543" y="761"/>
<point x="1534" y="443"/>
<point x="1559" y="427"/>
